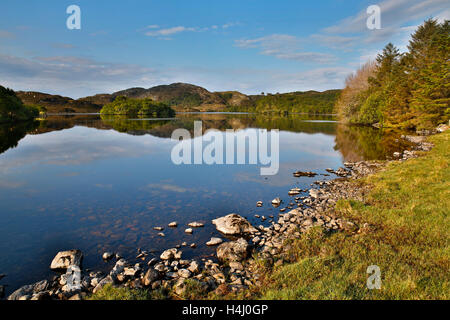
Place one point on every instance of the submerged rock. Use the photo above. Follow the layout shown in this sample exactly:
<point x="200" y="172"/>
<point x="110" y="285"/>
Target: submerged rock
<point x="233" y="224"/>
<point x="64" y="259"/>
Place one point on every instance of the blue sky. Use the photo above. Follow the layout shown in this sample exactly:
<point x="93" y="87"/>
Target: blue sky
<point x="247" y="45"/>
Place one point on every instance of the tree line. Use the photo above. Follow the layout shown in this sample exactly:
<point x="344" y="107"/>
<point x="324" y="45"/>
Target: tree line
<point x="12" y="109"/>
<point x="406" y="90"/>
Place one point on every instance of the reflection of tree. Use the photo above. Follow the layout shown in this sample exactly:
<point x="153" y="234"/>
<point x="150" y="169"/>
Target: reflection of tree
<point x="11" y="134"/>
<point x="357" y="143"/>
<point x="354" y="142"/>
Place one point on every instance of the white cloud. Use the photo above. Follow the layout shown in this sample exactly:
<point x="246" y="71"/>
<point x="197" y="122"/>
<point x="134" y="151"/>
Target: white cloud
<point x="169" y="31"/>
<point x="73" y="76"/>
<point x="163" y="33"/>
<point x="394" y="15"/>
<point x="283" y="46"/>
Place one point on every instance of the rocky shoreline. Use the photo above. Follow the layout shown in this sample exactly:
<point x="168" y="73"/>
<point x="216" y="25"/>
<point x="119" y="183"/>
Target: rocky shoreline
<point x="236" y="268"/>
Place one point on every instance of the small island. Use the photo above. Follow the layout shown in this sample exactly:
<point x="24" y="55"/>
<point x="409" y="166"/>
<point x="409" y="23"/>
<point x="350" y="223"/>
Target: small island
<point x="137" y="107"/>
<point x="12" y="108"/>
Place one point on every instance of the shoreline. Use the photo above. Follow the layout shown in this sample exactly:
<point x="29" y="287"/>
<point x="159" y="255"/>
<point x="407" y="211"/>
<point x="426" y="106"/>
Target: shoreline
<point x="237" y="270"/>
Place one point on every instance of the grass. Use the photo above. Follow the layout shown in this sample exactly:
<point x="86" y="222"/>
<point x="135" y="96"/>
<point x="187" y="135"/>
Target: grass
<point x="405" y="232"/>
<point x="110" y="292"/>
<point x="407" y="236"/>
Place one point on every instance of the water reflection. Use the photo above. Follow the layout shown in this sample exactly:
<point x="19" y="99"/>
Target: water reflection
<point x="100" y="184"/>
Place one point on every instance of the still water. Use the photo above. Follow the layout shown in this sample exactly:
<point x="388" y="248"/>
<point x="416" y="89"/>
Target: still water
<point x="102" y="184"/>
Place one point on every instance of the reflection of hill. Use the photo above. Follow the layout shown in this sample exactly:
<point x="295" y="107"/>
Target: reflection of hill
<point x="355" y="143"/>
<point x="163" y="128"/>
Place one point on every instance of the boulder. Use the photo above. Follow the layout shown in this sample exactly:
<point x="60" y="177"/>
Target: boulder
<point x="64" y="259"/>
<point x="233" y="224"/>
<point x="233" y="251"/>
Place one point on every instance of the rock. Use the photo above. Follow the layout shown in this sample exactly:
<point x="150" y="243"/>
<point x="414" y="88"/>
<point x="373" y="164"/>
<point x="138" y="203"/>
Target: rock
<point x="233" y="251"/>
<point x="397" y="154"/>
<point x="294" y="191"/>
<point x="130" y="272"/>
<point x="184" y="273"/>
<point x="102" y="283"/>
<point x="196" y="225"/>
<point x="193" y="245"/>
<point x="223" y="289"/>
<point x="158" y="228"/>
<point x="173" y="224"/>
<point x="236" y="265"/>
<point x="194" y="267"/>
<point x="26" y="292"/>
<point x="259" y="204"/>
<point x="119" y="267"/>
<point x="161" y="234"/>
<point x="152" y="261"/>
<point x="171" y="254"/>
<point x="76" y="296"/>
<point x="107" y="255"/>
<point x="415" y="139"/>
<point x="214" y="242"/>
<point x="150" y="276"/>
<point x="276" y="202"/>
<point x="233" y="224"/>
<point x="442" y="127"/>
<point x="304" y="174"/>
<point x="64" y="259"/>
<point x="314" y="193"/>
<point x="189" y="231"/>
<point x="40" y="296"/>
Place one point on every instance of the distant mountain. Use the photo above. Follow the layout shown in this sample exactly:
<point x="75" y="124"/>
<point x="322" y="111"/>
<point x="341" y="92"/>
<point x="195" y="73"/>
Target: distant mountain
<point x="186" y="97"/>
<point x="58" y="104"/>
<point x="180" y="96"/>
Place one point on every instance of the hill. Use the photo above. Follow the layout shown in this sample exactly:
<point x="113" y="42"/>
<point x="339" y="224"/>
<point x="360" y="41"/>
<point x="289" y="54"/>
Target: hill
<point x="12" y="109"/>
<point x="188" y="97"/>
<point x="58" y="104"/>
